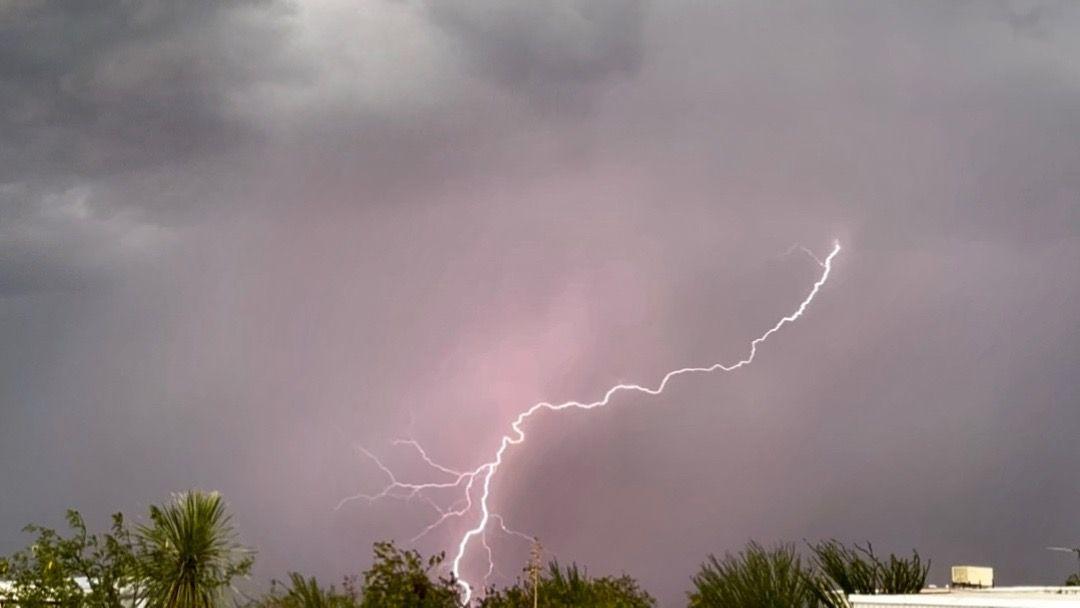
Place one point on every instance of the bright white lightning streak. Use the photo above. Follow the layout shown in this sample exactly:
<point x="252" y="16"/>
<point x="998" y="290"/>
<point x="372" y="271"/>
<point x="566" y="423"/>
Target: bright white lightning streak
<point x="486" y="471"/>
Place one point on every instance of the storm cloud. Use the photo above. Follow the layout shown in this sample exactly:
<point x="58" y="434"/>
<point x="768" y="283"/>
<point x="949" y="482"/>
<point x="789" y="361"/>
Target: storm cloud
<point x="238" y="239"/>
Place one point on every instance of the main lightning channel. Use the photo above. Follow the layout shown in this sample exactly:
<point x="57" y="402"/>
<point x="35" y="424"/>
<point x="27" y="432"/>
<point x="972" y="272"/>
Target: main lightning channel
<point x="486" y="471"/>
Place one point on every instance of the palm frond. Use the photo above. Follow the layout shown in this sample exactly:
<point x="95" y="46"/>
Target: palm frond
<point x="191" y="552"/>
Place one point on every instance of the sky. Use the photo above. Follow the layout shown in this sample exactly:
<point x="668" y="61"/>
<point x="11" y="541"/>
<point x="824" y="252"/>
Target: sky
<point x="241" y="239"/>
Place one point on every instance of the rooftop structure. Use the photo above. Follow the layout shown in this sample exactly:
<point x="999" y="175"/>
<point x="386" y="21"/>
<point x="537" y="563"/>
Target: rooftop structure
<point x="972" y="576"/>
<point x="1000" y="597"/>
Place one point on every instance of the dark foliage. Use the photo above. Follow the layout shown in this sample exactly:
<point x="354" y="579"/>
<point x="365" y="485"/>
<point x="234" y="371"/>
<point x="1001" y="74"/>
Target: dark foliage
<point x="756" y="578"/>
<point x="566" y="587"/>
<point x="404" y="579"/>
<point x="860" y="570"/>
<point x="190" y="552"/>
<point x="46" y="572"/>
<point x="301" y="592"/>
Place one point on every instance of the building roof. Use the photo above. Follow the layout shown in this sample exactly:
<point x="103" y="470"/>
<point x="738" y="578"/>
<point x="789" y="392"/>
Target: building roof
<point x="1000" y="597"/>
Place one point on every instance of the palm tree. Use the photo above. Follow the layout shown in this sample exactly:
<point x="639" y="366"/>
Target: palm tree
<point x="190" y="552"/>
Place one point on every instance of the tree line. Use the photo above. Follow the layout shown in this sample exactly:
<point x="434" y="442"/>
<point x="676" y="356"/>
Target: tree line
<point x="188" y="555"/>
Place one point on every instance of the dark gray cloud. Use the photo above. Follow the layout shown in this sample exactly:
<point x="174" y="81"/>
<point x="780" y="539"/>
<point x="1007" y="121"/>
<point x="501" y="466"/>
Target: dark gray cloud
<point x="91" y="88"/>
<point x="105" y="102"/>
<point x="236" y="238"/>
<point x="551" y="49"/>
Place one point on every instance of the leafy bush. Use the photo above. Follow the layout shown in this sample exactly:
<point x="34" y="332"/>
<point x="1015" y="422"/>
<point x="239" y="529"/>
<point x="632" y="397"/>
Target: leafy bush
<point x="756" y="578"/>
<point x="303" y="592"/>
<point x="403" y="579"/>
<point x="860" y="570"/>
<point x="45" y="573"/>
<point x="566" y="587"/>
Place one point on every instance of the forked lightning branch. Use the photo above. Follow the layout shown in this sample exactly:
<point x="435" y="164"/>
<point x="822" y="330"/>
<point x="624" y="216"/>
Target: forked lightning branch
<point x="473" y="486"/>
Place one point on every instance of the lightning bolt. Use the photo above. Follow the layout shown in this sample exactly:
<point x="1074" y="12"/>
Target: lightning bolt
<point x="467" y="481"/>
